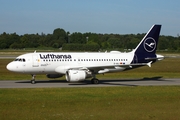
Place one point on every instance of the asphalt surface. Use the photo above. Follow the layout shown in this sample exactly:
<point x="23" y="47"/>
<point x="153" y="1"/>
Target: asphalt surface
<point x="155" y="81"/>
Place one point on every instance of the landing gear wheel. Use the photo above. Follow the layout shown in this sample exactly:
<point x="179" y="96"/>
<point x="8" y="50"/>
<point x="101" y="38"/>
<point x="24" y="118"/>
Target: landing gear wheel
<point x="33" y="81"/>
<point x="95" y="81"/>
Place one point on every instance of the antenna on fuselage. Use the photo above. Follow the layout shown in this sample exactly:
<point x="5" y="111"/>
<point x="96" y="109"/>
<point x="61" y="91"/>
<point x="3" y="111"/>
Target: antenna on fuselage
<point x="35" y="51"/>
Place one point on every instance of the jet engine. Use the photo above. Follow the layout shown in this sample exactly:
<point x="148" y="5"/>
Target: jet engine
<point x="54" y="75"/>
<point x="77" y="75"/>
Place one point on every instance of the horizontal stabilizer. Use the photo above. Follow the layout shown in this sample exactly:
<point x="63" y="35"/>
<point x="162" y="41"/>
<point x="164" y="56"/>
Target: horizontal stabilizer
<point x="141" y="64"/>
<point x="159" y="57"/>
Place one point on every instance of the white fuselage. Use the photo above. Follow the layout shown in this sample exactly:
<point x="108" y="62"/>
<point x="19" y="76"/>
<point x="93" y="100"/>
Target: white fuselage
<point x="53" y="63"/>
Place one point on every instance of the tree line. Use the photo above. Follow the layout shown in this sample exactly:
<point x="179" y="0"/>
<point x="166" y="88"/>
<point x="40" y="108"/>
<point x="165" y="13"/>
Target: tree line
<point x="60" y="39"/>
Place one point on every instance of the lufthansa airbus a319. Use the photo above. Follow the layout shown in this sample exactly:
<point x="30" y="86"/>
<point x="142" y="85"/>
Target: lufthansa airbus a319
<point x="79" y="66"/>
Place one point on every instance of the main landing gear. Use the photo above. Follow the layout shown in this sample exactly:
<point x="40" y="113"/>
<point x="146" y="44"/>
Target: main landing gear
<point x="94" y="81"/>
<point x="33" y="79"/>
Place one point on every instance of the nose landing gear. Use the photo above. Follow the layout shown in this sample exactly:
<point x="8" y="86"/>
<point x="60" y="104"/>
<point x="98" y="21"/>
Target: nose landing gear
<point x="33" y="79"/>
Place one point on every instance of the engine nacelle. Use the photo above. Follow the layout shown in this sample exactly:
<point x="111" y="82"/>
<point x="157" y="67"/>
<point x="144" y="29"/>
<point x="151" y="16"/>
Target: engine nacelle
<point x="54" y="75"/>
<point x="75" y="75"/>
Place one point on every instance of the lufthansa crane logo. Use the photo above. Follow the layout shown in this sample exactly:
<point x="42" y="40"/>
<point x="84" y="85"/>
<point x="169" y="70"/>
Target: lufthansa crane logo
<point x="149" y="44"/>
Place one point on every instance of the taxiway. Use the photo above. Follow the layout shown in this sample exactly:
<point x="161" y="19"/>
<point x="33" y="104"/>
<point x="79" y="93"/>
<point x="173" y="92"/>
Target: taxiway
<point x="155" y="81"/>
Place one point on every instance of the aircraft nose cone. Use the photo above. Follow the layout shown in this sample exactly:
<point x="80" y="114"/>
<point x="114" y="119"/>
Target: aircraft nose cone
<point x="10" y="67"/>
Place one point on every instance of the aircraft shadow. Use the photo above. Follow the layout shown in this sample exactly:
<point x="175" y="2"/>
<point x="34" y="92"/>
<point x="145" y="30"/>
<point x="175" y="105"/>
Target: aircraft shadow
<point x="44" y="81"/>
<point x="119" y="82"/>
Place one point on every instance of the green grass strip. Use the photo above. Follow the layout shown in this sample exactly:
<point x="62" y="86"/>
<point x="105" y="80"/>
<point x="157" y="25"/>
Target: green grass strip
<point x="91" y="103"/>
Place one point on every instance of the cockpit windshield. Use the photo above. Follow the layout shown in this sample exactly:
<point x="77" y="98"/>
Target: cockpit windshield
<point x="20" y="59"/>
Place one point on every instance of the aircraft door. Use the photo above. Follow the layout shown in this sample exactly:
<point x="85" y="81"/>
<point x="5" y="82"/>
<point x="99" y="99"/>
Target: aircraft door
<point x="35" y="61"/>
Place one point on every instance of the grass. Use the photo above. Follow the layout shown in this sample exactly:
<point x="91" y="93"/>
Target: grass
<point x="91" y="103"/>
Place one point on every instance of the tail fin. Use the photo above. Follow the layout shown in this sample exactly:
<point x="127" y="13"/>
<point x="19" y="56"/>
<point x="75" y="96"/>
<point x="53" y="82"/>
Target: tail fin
<point x="148" y="45"/>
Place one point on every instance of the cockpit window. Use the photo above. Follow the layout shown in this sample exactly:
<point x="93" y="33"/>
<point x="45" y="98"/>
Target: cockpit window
<point x="20" y="59"/>
<point x="16" y="59"/>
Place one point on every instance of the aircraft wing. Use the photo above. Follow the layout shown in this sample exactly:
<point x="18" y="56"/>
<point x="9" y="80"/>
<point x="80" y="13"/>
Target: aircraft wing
<point x="106" y="68"/>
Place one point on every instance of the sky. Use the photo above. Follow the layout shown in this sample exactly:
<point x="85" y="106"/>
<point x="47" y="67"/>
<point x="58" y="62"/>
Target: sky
<point x="95" y="16"/>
